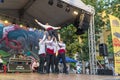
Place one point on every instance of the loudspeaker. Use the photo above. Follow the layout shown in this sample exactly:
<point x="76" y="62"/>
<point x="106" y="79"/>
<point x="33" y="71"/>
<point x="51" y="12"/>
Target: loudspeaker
<point x="103" y="49"/>
<point x="104" y="72"/>
<point x="86" y="22"/>
<point x="79" y="31"/>
<point x="82" y="23"/>
<point x="1" y="1"/>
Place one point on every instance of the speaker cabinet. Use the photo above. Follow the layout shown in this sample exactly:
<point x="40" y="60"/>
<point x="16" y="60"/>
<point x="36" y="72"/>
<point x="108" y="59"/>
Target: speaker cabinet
<point x="19" y="65"/>
<point x="104" y="72"/>
<point x="103" y="49"/>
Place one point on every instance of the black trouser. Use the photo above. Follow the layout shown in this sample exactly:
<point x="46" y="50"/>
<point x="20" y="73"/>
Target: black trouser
<point x="1" y="66"/>
<point x="53" y="33"/>
<point x="61" y="56"/>
<point x="42" y="61"/>
<point x="50" y="62"/>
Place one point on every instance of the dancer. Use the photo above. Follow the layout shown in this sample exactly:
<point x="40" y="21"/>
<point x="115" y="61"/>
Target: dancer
<point x="51" y="29"/>
<point x="42" y="53"/>
<point x="61" y="55"/>
<point x="50" y="54"/>
<point x="55" y="46"/>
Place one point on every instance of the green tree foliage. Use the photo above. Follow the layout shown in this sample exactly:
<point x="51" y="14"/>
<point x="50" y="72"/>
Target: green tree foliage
<point x="109" y="7"/>
<point x="73" y="44"/>
<point x="110" y="47"/>
<point x="84" y="54"/>
<point x="71" y="39"/>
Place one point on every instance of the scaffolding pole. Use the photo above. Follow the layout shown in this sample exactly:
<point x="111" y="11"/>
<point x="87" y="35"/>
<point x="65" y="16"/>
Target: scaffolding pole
<point x="92" y="47"/>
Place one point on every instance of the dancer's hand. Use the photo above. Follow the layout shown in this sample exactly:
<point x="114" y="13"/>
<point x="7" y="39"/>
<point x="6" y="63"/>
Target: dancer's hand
<point x="59" y="27"/>
<point x="36" y="20"/>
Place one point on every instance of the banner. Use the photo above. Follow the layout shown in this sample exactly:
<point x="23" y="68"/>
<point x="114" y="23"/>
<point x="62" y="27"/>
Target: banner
<point x="115" y="31"/>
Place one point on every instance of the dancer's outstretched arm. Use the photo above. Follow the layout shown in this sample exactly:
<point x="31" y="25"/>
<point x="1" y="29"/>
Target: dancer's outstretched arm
<point x="56" y="27"/>
<point x="44" y="37"/>
<point x="42" y="25"/>
<point x="46" y="26"/>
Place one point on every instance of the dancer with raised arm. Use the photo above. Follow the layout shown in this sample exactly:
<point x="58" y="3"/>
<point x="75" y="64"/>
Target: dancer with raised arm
<point x="51" y="29"/>
<point x="61" y="55"/>
<point x="50" y="54"/>
<point x="55" y="46"/>
<point x="42" y="53"/>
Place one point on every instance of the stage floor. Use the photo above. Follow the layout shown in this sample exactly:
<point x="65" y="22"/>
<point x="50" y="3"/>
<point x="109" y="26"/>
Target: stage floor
<point x="36" y="76"/>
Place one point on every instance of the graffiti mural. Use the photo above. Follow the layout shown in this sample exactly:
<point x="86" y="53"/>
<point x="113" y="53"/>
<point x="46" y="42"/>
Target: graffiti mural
<point x="20" y="39"/>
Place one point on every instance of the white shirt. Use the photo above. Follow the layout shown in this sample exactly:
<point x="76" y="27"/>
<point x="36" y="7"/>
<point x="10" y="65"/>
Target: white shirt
<point x="1" y="61"/>
<point x="61" y="46"/>
<point x="55" y="46"/>
<point x="49" y="44"/>
<point x="42" y="46"/>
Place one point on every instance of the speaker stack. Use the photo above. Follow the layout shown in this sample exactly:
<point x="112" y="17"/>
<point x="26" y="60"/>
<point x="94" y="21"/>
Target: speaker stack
<point x="103" y="49"/>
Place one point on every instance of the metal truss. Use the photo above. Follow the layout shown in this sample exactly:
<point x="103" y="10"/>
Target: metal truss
<point x="92" y="47"/>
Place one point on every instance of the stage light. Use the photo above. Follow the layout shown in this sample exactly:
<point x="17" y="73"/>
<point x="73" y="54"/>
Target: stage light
<point x="75" y="12"/>
<point x="21" y="25"/>
<point x="6" y="21"/>
<point x="50" y="2"/>
<point x="59" y="4"/>
<point x="67" y="8"/>
<point x="34" y="28"/>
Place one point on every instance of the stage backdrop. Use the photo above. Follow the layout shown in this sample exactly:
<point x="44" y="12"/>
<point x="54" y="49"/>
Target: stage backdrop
<point x="115" y="30"/>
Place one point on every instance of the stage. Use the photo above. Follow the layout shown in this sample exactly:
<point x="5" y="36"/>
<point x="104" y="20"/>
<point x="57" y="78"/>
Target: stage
<point x="36" y="76"/>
